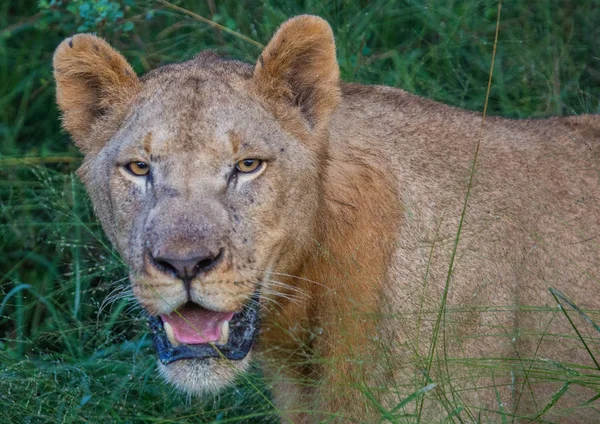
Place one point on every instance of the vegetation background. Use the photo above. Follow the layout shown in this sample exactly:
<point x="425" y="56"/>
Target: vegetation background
<point x="73" y="346"/>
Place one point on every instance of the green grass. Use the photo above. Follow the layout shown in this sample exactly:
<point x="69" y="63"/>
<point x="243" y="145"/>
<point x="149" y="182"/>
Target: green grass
<point x="68" y="356"/>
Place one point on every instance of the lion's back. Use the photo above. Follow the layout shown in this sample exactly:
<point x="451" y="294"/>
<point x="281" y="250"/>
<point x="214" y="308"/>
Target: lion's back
<point x="532" y="224"/>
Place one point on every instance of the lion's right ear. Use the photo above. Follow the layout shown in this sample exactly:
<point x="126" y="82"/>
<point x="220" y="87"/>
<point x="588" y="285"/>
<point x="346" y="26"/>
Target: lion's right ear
<point x="93" y="83"/>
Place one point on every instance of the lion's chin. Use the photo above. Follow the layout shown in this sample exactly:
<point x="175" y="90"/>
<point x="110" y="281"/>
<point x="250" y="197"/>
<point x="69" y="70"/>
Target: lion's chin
<point x="201" y="377"/>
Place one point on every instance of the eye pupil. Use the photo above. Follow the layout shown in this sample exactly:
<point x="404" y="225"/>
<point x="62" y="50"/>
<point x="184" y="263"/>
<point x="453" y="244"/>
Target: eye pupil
<point x="248" y="162"/>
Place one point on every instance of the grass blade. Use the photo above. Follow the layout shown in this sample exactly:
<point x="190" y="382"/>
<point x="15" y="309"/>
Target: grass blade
<point x="555" y="398"/>
<point x="558" y="296"/>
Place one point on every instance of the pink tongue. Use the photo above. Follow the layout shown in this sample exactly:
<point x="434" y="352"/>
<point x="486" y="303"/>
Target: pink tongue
<point x="193" y="324"/>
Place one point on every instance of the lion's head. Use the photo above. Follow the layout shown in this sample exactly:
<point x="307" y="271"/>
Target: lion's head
<point x="206" y="177"/>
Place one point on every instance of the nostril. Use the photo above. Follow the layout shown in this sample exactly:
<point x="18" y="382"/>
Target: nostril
<point x="165" y="266"/>
<point x="190" y="267"/>
<point x="209" y="262"/>
<point x="205" y="263"/>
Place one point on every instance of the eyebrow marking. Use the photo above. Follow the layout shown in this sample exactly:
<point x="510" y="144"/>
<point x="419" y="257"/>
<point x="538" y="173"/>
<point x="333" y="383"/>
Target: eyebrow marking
<point x="147" y="142"/>
<point x="235" y="140"/>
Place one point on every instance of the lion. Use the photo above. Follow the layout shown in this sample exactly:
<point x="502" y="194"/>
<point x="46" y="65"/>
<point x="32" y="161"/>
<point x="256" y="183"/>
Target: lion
<point x="334" y="233"/>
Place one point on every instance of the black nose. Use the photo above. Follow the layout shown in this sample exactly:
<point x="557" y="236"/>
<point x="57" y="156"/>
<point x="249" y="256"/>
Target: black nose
<point x="186" y="268"/>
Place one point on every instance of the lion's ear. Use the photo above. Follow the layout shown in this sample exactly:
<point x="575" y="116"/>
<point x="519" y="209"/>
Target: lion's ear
<point x="299" y="65"/>
<point x="93" y="82"/>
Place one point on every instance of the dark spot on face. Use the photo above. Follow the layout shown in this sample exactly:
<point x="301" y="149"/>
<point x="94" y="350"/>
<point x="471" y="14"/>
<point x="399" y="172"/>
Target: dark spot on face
<point x="168" y="191"/>
<point x="196" y="83"/>
<point x="282" y="150"/>
<point x="71" y="42"/>
<point x="252" y="200"/>
<point x="150" y="186"/>
<point x="232" y="179"/>
<point x="236" y="218"/>
<point x="245" y="240"/>
<point x="157" y="158"/>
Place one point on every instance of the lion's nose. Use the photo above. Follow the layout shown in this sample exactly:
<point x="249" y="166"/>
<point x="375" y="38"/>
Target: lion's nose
<point x="187" y="268"/>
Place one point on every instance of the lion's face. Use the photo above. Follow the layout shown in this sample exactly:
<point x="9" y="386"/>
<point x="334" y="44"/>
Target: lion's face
<point x="221" y="188"/>
<point x="206" y="177"/>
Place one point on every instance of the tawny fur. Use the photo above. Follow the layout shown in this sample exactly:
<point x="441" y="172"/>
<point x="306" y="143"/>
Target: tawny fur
<point x="354" y="220"/>
<point x="95" y="85"/>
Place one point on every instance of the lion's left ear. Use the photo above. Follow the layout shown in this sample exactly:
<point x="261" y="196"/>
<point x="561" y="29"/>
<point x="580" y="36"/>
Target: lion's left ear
<point x="299" y="66"/>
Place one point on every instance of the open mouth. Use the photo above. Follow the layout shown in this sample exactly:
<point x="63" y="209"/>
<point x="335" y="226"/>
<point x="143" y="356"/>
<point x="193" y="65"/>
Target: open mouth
<point x="193" y="332"/>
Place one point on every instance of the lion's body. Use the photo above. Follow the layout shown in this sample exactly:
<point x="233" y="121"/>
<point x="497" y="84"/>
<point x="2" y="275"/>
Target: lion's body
<point x="531" y="221"/>
<point x="356" y="218"/>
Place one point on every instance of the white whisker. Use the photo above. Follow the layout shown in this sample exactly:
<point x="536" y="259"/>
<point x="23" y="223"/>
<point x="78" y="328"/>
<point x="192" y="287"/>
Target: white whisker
<point x="291" y="298"/>
<point x="294" y="289"/>
<point x="303" y="279"/>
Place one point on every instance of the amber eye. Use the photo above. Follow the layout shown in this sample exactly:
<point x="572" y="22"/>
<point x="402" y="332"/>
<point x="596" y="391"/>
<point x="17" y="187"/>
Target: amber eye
<point x="138" y="168"/>
<point x="247" y="166"/>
